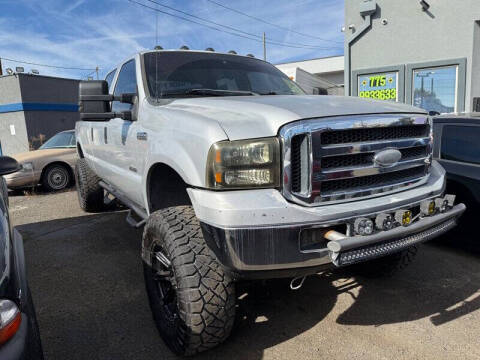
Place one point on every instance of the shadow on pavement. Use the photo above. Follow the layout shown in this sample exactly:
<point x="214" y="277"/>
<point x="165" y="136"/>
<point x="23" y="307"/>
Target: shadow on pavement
<point x="87" y="282"/>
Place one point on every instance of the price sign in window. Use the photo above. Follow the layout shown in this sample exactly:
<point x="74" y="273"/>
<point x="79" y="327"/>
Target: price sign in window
<point x="382" y="86"/>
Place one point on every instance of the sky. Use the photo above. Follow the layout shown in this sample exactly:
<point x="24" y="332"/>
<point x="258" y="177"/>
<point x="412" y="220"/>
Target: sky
<point x="90" y="33"/>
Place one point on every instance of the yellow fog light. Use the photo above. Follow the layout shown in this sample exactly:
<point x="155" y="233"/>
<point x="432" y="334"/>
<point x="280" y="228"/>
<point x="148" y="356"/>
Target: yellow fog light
<point x="427" y="207"/>
<point x="404" y="217"/>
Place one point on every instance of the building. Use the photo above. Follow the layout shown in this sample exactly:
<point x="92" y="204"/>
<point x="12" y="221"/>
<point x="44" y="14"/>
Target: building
<point x="33" y="108"/>
<point x="425" y="53"/>
<point x="328" y="71"/>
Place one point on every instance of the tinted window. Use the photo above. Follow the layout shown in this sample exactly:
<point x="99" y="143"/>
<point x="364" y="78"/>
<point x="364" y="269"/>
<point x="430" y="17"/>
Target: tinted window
<point x="109" y="78"/>
<point x="461" y="143"/>
<point x="126" y="83"/>
<point x="173" y="73"/>
<point x="61" y="140"/>
<point x="435" y="89"/>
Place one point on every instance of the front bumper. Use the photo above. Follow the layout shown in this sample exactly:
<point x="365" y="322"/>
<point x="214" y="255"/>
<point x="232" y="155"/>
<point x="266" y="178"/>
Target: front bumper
<point x="256" y="234"/>
<point x="20" y="180"/>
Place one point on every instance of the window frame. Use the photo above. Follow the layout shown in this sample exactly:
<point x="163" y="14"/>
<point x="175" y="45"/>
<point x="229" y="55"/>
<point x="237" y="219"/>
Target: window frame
<point x="110" y="86"/>
<point x="117" y="75"/>
<point x="399" y="69"/>
<point x="460" y="82"/>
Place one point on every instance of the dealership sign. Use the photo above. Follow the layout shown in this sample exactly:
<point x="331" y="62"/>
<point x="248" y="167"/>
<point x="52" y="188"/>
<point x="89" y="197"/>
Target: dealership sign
<point x="382" y="86"/>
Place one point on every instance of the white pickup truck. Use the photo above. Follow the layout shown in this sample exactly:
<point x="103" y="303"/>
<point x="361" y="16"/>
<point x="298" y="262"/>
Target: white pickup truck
<point x="237" y="174"/>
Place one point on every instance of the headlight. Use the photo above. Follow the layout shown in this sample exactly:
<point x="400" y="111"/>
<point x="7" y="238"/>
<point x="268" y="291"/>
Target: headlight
<point x="28" y="166"/>
<point x="244" y="164"/>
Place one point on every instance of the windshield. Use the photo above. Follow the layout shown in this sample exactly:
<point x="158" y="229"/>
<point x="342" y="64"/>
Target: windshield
<point x="61" y="140"/>
<point x="173" y="74"/>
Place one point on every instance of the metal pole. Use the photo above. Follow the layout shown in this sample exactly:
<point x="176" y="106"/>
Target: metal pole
<point x="421" y="92"/>
<point x="96" y="70"/>
<point x="1" y="73"/>
<point x="264" y="48"/>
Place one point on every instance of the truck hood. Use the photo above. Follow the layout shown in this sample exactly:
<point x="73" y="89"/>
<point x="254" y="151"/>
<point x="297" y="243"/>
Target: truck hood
<point x="243" y="117"/>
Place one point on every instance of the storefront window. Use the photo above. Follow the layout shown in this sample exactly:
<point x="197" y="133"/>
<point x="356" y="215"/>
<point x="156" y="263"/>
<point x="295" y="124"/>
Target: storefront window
<point x="381" y="86"/>
<point x="435" y="89"/>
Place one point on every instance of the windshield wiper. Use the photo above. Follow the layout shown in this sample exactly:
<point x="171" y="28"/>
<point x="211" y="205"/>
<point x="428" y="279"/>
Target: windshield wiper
<point x="213" y="92"/>
<point x="269" y="93"/>
<point x="218" y="92"/>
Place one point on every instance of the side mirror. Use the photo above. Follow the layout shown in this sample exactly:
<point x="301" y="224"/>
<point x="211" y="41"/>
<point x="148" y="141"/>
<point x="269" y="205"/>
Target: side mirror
<point x="94" y="102"/>
<point x="433" y="113"/>
<point x="8" y="165"/>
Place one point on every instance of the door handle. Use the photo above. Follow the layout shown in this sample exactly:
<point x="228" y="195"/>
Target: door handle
<point x="141" y="135"/>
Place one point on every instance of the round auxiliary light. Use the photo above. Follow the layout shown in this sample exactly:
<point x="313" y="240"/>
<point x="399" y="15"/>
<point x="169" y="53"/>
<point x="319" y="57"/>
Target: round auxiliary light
<point x="441" y="204"/>
<point x="403" y="217"/>
<point x="384" y="222"/>
<point x="427" y="207"/>
<point x="232" y="52"/>
<point x="184" y="47"/>
<point x="209" y="49"/>
<point x="363" y="226"/>
<point x="250" y="55"/>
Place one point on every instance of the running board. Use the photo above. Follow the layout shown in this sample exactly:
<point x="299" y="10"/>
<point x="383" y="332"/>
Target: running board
<point x="130" y="204"/>
<point x="133" y="222"/>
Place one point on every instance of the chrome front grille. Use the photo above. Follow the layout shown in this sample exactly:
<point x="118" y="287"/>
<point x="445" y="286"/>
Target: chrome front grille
<point x="332" y="159"/>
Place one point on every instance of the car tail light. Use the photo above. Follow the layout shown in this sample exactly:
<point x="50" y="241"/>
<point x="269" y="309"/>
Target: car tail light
<point x="10" y="319"/>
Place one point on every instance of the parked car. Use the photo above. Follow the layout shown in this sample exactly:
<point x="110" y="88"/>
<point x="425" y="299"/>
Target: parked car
<point x="457" y="148"/>
<point x="52" y="165"/>
<point x="19" y="334"/>
<point x="238" y="174"/>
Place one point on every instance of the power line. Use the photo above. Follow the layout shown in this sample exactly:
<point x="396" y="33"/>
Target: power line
<point x="232" y="28"/>
<point x="220" y="30"/>
<point x="49" y="66"/>
<point x="271" y="24"/>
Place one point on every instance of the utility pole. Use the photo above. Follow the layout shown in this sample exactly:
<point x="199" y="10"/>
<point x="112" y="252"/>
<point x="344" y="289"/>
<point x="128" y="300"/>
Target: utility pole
<point x="1" y="73"/>
<point x="264" y="48"/>
<point x="96" y="70"/>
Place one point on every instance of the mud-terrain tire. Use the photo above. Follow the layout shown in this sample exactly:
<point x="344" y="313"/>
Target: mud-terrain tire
<point x="193" y="300"/>
<point x="386" y="266"/>
<point x="90" y="193"/>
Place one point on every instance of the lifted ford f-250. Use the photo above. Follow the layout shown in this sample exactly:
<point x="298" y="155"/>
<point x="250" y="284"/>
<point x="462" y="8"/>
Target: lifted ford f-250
<point x="237" y="174"/>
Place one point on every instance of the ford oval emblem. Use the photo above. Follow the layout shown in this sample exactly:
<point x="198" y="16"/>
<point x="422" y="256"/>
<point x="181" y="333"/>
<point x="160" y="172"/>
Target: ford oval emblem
<point x="387" y="158"/>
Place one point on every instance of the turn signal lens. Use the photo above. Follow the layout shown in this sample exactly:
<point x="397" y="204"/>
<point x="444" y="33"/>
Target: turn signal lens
<point x="10" y="319"/>
<point x="403" y="217"/>
<point x="427" y="207"/>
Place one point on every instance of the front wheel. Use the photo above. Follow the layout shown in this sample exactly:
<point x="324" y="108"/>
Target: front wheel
<point x="56" y="177"/>
<point x="191" y="297"/>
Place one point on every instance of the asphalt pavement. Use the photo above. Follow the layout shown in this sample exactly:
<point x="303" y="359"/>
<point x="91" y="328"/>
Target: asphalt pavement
<point x="86" y="278"/>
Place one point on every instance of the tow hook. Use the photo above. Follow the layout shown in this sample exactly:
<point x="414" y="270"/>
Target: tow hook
<point x="297" y="282"/>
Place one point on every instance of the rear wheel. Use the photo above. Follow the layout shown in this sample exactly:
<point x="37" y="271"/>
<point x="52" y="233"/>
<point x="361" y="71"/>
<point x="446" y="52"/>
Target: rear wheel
<point x="191" y="297"/>
<point x="90" y="193"/>
<point x="56" y="177"/>
<point x="386" y="266"/>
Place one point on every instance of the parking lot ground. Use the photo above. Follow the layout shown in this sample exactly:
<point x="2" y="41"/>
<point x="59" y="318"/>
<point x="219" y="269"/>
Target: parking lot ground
<point x="86" y="278"/>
